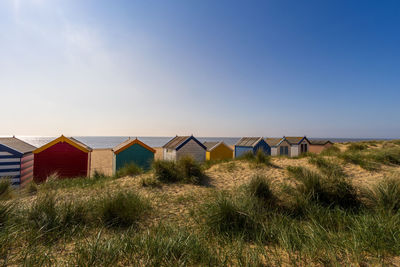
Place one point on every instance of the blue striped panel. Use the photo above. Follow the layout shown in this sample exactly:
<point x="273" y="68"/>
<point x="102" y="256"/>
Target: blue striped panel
<point x="5" y="153"/>
<point x="9" y="173"/>
<point x="10" y="160"/>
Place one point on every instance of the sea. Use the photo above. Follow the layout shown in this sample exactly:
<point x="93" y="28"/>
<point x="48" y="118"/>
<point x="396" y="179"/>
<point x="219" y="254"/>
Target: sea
<point x="97" y="142"/>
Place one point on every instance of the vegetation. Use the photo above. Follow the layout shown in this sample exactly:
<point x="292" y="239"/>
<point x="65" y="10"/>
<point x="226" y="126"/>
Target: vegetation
<point x="130" y="169"/>
<point x="5" y="189"/>
<point x="259" y="159"/>
<point x="185" y="170"/>
<point x="123" y="209"/>
<point x="317" y="210"/>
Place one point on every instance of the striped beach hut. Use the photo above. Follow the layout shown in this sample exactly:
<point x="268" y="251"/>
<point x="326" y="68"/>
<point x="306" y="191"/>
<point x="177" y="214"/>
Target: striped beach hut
<point x="66" y="157"/>
<point x="133" y="151"/>
<point x="181" y="146"/>
<point x="251" y="144"/>
<point x="218" y="151"/>
<point x="16" y="160"/>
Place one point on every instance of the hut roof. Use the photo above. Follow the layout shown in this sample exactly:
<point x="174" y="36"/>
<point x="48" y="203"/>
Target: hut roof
<point x="294" y="140"/>
<point x="212" y="145"/>
<point x="273" y="141"/>
<point x="70" y="140"/>
<point x="17" y="145"/>
<point x="320" y="142"/>
<point x="179" y="141"/>
<point x="129" y="142"/>
<point x="249" y="141"/>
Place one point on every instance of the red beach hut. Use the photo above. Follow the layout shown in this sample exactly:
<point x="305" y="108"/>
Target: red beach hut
<point x="66" y="157"/>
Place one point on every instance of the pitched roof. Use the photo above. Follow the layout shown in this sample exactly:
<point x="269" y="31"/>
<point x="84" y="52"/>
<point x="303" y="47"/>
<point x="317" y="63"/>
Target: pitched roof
<point x="72" y="141"/>
<point x="179" y="141"/>
<point x="273" y="141"/>
<point x="17" y="145"/>
<point x="129" y="142"/>
<point x="248" y="141"/>
<point x="212" y="145"/>
<point x="294" y="140"/>
<point x="320" y="142"/>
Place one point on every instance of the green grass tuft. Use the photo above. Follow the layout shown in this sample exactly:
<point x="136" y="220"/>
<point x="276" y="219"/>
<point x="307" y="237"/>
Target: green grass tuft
<point x="123" y="209"/>
<point x="5" y="188"/>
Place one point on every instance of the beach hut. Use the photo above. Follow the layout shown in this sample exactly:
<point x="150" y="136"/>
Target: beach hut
<point x="296" y="145"/>
<point x="66" y="157"/>
<point x="274" y="143"/>
<point x="317" y="146"/>
<point x="133" y="151"/>
<point x="218" y="151"/>
<point x="181" y="146"/>
<point x="251" y="144"/>
<point x="16" y="160"/>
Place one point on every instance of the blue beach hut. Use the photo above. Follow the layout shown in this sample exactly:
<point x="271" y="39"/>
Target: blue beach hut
<point x="251" y="144"/>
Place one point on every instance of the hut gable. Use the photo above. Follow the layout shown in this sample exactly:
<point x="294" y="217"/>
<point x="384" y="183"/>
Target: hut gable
<point x="181" y="146"/>
<point x="62" y="139"/>
<point x="251" y="144"/>
<point x="298" y="145"/>
<point x="130" y="142"/>
<point x="218" y="151"/>
<point x="67" y="157"/>
<point x="133" y="151"/>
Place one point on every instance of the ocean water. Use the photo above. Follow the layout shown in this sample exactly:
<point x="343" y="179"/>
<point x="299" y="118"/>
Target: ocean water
<point x="112" y="141"/>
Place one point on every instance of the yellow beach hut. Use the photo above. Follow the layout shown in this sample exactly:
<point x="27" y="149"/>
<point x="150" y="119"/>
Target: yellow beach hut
<point x="218" y="151"/>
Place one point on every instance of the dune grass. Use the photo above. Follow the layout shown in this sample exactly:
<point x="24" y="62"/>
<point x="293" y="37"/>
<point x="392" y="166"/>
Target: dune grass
<point x="311" y="216"/>
<point x="130" y="169"/>
<point x="5" y="188"/>
<point x="185" y="170"/>
<point x="123" y="209"/>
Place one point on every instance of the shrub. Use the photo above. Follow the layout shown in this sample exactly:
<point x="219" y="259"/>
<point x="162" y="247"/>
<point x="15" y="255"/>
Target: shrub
<point x="190" y="170"/>
<point x="123" y="209"/>
<point x="385" y="195"/>
<point x="327" y="167"/>
<point x="130" y="169"/>
<point x="323" y="190"/>
<point x="166" y="171"/>
<point x="5" y="188"/>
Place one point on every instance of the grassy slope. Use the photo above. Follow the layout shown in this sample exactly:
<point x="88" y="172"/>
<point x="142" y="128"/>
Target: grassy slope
<point x="173" y="232"/>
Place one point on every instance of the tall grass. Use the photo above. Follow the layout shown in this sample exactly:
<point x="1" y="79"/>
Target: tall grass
<point x="258" y="159"/>
<point x="123" y="209"/>
<point x="327" y="191"/>
<point x="330" y="151"/>
<point x="259" y="187"/>
<point x="185" y="170"/>
<point x="357" y="146"/>
<point x="130" y="169"/>
<point x="330" y="167"/>
<point x="5" y="188"/>
<point x="385" y="196"/>
<point x="361" y="159"/>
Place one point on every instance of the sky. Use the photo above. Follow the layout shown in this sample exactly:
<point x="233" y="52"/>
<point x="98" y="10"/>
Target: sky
<point x="210" y="68"/>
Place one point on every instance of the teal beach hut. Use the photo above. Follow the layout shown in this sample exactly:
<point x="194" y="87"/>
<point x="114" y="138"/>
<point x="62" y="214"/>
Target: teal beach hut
<point x="132" y="151"/>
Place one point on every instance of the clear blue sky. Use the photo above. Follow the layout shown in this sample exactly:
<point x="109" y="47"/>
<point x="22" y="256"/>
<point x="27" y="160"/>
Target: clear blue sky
<point x="210" y="68"/>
